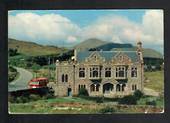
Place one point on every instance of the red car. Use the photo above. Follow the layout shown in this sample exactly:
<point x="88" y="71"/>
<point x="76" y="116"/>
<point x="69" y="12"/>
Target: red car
<point x="38" y="82"/>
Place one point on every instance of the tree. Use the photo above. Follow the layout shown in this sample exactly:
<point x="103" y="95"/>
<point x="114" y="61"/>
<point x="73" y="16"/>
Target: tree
<point x="83" y="92"/>
<point x="138" y="94"/>
<point x="12" y="52"/>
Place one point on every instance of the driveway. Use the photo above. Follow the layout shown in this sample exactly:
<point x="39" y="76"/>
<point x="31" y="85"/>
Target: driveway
<point x="22" y="81"/>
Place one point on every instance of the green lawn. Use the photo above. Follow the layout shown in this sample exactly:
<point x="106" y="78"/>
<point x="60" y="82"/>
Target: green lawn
<point x="155" y="80"/>
<point x="76" y="105"/>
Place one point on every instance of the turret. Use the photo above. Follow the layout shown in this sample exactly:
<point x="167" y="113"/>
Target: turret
<point x="139" y="50"/>
<point x="139" y="46"/>
<point x="75" y="55"/>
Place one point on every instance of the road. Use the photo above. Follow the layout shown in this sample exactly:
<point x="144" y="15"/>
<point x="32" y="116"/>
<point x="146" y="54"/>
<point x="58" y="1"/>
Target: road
<point x="22" y="81"/>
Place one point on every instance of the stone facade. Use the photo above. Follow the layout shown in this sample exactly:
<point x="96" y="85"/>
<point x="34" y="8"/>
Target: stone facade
<point x="102" y="73"/>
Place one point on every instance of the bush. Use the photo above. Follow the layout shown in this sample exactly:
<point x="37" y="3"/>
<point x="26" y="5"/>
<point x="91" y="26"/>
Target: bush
<point x="12" y="69"/>
<point x="152" y="102"/>
<point x="34" y="97"/>
<point x="107" y="109"/>
<point x="22" y="99"/>
<point x="11" y="99"/>
<point x="138" y="94"/>
<point x="100" y="100"/>
<point x="49" y="96"/>
<point x="83" y="92"/>
<point x="130" y="100"/>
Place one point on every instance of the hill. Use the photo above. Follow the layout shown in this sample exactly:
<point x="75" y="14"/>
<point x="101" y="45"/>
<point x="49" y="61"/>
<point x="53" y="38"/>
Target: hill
<point x="108" y="46"/>
<point x="98" y="44"/>
<point x="33" y="49"/>
<point x="90" y="43"/>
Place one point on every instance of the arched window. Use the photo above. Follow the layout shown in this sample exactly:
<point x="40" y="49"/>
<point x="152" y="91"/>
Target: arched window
<point x="107" y="88"/>
<point x="81" y="72"/>
<point x="79" y="87"/>
<point x="66" y="78"/>
<point x="108" y="72"/>
<point x="123" y="87"/>
<point x="97" y="87"/>
<point x="117" y="87"/>
<point x="134" y="87"/>
<point x="62" y="78"/>
<point x="134" y="72"/>
<point x="92" y="88"/>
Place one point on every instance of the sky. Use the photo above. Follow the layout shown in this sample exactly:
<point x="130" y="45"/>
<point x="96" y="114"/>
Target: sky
<point x="70" y="27"/>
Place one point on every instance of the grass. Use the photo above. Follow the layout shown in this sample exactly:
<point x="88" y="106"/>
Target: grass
<point x="77" y="105"/>
<point x="33" y="49"/>
<point x="155" y="80"/>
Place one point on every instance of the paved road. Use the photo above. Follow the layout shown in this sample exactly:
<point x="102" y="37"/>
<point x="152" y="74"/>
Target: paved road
<point x="22" y="81"/>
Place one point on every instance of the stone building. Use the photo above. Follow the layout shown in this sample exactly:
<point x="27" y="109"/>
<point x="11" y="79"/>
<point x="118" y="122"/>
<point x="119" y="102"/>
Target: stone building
<point x="101" y="73"/>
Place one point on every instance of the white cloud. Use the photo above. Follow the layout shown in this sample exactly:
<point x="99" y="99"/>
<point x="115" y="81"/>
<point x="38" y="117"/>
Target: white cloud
<point x="121" y="29"/>
<point x="152" y="26"/>
<point x="54" y="28"/>
<point x="71" y="39"/>
<point x="46" y="29"/>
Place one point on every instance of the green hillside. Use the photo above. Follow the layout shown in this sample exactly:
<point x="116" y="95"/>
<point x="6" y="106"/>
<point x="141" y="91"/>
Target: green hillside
<point x="152" y="53"/>
<point x="90" y="43"/>
<point x="33" y="49"/>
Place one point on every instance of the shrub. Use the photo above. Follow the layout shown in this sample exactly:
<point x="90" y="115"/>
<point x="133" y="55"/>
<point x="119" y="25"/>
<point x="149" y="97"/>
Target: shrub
<point x="100" y="100"/>
<point x="107" y="109"/>
<point x="11" y="99"/>
<point x="22" y="99"/>
<point x="151" y="102"/>
<point x="34" y="97"/>
<point x="130" y="100"/>
<point x="138" y="94"/>
<point x="83" y="92"/>
<point x="49" y="96"/>
<point x="12" y="69"/>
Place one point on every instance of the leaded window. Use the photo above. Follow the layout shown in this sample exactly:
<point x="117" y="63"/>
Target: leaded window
<point x="134" y="72"/>
<point x="81" y="72"/>
<point x="120" y="71"/>
<point x="94" y="72"/>
<point x="108" y="72"/>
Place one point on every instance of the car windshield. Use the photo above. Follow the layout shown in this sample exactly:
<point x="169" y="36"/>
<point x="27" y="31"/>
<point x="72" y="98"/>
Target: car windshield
<point x="34" y="83"/>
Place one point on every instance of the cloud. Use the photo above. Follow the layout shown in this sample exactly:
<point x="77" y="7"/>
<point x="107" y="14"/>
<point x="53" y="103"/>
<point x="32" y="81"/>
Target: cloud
<point x="47" y="29"/>
<point x="56" y="29"/>
<point x="122" y="30"/>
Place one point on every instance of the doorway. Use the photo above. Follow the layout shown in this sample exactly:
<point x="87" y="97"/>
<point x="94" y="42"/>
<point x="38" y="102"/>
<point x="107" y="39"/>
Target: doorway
<point x="69" y="93"/>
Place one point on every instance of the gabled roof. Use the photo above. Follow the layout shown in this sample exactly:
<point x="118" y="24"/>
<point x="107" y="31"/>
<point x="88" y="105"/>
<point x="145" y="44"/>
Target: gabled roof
<point x="108" y="55"/>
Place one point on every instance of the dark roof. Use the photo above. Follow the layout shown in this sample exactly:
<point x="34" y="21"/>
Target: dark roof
<point x="108" y="55"/>
<point x="147" y="53"/>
